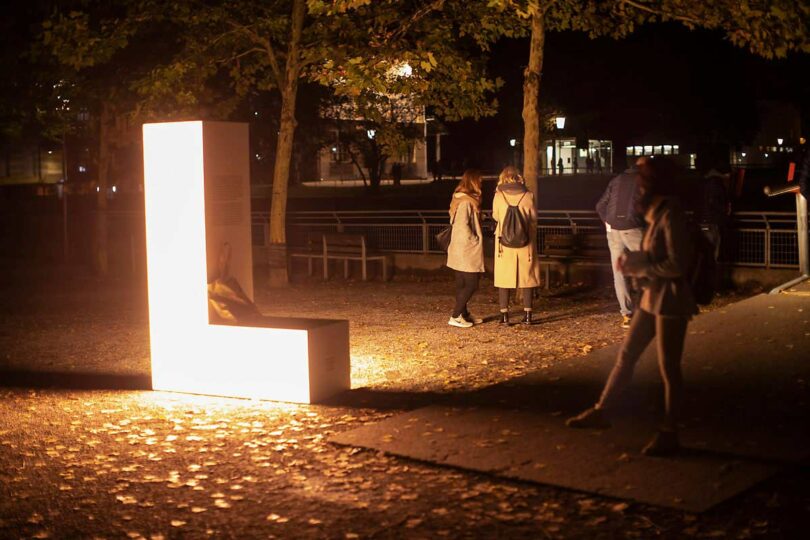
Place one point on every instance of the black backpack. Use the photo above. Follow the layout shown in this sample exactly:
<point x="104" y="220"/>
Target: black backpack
<point x="703" y="272"/>
<point x="514" y="231"/>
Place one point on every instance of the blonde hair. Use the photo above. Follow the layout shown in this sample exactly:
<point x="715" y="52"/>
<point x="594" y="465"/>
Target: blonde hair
<point x="470" y="183"/>
<point x="510" y="175"/>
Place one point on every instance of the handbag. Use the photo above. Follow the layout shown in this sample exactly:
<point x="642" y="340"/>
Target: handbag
<point x="444" y="236"/>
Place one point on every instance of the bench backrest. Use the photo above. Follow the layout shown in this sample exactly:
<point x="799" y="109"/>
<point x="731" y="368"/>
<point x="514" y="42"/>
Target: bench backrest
<point x="314" y="242"/>
<point x="337" y="243"/>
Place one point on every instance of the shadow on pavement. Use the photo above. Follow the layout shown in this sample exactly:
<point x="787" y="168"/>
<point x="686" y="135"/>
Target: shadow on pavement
<point x="73" y="380"/>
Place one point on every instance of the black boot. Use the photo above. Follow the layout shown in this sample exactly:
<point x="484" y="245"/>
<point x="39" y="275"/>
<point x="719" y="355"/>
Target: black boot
<point x="527" y="317"/>
<point x="504" y="318"/>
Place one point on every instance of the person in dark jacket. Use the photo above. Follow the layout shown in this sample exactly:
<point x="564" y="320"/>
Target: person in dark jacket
<point x="618" y="210"/>
<point x="666" y="306"/>
<point x="714" y="208"/>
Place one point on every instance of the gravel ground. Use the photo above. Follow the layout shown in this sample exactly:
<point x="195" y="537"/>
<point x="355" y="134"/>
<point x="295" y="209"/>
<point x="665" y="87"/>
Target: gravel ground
<point x="118" y="464"/>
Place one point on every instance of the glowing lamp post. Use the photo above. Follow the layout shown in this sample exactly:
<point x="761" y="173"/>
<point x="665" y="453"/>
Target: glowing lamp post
<point x="559" y="125"/>
<point x="197" y="197"/>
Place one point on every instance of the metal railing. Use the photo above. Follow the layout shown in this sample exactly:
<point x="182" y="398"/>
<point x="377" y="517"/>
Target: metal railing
<point x="761" y="239"/>
<point x="757" y="239"/>
<point x="752" y="239"/>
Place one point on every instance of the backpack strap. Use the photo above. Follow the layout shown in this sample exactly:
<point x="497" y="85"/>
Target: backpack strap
<point x="520" y="199"/>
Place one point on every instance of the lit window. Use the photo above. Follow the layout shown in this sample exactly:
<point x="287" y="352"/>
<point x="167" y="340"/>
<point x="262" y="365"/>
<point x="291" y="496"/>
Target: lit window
<point x="675" y="149"/>
<point x="629" y="150"/>
<point x="82" y="168"/>
<point x="667" y="149"/>
<point x="639" y="151"/>
<point x="648" y="150"/>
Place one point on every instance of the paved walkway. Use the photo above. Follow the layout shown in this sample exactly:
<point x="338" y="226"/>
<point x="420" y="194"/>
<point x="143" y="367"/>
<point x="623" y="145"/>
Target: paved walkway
<point x="747" y="368"/>
<point x="113" y="463"/>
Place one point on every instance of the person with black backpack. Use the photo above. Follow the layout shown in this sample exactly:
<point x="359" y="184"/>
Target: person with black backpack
<point x="516" y="263"/>
<point x="662" y="267"/>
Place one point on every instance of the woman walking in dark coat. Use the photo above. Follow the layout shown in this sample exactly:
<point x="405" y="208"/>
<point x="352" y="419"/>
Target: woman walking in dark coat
<point x="667" y="304"/>
<point x="465" y="254"/>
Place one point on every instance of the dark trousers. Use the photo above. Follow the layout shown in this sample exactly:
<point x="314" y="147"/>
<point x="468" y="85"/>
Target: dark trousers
<point x="466" y="285"/>
<point x="503" y="298"/>
<point x="670" y="333"/>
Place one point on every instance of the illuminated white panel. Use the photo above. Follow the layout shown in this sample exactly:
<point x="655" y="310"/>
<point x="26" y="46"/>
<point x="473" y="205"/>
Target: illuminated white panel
<point x="191" y="167"/>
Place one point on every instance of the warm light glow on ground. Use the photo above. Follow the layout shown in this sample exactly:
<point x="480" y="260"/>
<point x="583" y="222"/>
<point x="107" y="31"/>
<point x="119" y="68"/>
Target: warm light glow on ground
<point x="188" y="353"/>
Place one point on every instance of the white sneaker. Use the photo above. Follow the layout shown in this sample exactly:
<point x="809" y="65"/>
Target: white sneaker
<point x="459" y="322"/>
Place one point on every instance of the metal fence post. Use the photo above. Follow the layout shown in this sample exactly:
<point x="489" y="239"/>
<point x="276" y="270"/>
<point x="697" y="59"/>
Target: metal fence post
<point x="801" y="234"/>
<point x="767" y="243"/>
<point x="425" y="235"/>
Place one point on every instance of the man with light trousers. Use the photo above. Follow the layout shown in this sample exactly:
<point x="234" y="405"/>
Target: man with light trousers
<point x="618" y="209"/>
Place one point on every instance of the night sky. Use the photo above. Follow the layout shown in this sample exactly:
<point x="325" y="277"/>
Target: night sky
<point x="662" y="82"/>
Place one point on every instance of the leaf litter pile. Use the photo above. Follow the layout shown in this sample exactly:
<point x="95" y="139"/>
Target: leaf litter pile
<point x="136" y="464"/>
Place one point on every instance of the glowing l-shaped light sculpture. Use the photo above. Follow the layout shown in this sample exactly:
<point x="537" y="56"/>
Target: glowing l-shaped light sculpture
<point x="197" y="196"/>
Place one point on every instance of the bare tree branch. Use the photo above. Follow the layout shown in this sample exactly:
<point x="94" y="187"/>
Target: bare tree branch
<point x="413" y="19"/>
<point x="266" y="47"/>
<point x="659" y="12"/>
<point x="240" y="55"/>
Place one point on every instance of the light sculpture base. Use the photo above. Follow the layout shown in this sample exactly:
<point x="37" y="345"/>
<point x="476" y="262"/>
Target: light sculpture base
<point x="197" y="197"/>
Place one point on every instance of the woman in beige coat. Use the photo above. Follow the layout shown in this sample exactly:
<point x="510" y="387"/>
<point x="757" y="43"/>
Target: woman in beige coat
<point x="515" y="268"/>
<point x="465" y="254"/>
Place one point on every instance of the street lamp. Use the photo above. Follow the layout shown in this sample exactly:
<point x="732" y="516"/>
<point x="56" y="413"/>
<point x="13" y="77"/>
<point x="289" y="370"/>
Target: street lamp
<point x="559" y="124"/>
<point x="513" y="144"/>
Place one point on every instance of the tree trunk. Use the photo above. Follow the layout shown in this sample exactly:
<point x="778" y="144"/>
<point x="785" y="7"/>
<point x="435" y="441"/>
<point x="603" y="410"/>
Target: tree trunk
<point x="277" y="260"/>
<point x="100" y="253"/>
<point x="531" y="103"/>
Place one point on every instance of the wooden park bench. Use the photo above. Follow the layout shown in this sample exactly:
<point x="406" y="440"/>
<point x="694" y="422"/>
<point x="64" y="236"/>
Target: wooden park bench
<point x="312" y="250"/>
<point x="340" y="246"/>
<point x="566" y="250"/>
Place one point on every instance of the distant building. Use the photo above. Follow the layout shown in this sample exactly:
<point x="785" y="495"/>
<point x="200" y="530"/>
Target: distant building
<point x="777" y="138"/>
<point x="674" y="151"/>
<point x="588" y="156"/>
<point x="30" y="164"/>
<point x="338" y="158"/>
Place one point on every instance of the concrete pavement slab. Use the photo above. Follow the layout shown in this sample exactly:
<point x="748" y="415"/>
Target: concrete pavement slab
<point x="747" y="375"/>
<point x="539" y="448"/>
<point x="746" y="368"/>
